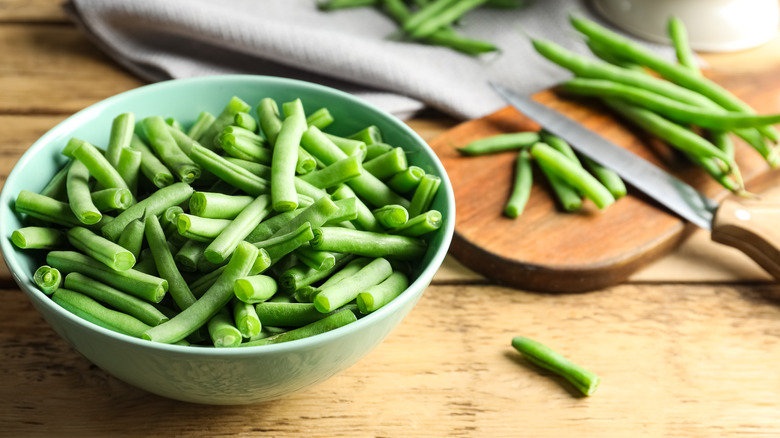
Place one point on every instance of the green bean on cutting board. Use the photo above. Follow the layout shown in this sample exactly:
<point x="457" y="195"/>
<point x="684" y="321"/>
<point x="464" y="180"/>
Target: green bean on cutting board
<point x="139" y="253"/>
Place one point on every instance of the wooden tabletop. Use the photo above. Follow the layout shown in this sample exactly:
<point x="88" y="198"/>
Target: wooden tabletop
<point x="687" y="347"/>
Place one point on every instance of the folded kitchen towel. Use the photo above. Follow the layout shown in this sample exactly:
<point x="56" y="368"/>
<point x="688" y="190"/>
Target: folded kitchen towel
<point x="347" y="49"/>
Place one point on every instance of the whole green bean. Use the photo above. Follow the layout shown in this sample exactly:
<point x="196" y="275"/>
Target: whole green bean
<point x="121" y="301"/>
<point x="79" y="196"/>
<point x="374" y="297"/>
<point x="48" y="279"/>
<point x="572" y="174"/>
<point x="94" y="312"/>
<point x="544" y="357"/>
<point x="367" y="243"/>
<point x="568" y="197"/>
<point x="154" y="204"/>
<point x="452" y="12"/>
<point x="333" y="5"/>
<point x="38" y="238"/>
<point x="521" y="189"/>
<point x="214" y="299"/>
<point x="228" y="239"/>
<point x="426" y="13"/>
<point x="500" y="143"/>
<point x="330" y="322"/>
<point x="679" y="36"/>
<point x="331" y="298"/>
<point x="166" y="266"/>
<point x="101" y="249"/>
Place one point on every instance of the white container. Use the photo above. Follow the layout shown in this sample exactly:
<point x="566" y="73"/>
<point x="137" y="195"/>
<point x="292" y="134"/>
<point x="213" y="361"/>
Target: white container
<point x="712" y="25"/>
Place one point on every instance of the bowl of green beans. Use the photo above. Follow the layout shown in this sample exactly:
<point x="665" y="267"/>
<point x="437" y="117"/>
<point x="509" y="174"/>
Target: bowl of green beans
<point x="226" y="239"/>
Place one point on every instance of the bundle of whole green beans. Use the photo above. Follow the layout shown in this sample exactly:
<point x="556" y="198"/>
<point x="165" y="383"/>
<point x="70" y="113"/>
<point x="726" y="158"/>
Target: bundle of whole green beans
<point x="238" y="230"/>
<point x="570" y="176"/>
<point x="670" y="100"/>
<point x="430" y="21"/>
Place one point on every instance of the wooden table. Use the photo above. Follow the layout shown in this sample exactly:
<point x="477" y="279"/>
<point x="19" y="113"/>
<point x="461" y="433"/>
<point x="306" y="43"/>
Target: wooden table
<point x="687" y="347"/>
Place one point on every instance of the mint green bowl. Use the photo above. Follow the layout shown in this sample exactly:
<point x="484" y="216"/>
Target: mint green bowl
<point x="210" y="375"/>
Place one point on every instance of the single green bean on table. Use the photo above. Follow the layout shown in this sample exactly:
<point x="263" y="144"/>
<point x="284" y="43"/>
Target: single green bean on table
<point x="367" y="243"/>
<point x="132" y="237"/>
<point x="48" y="279"/>
<point x="387" y="164"/>
<point x="374" y="297"/>
<point x="521" y="188"/>
<point x="151" y="166"/>
<point x="94" y="312"/>
<point x="166" y="265"/>
<point x="38" y="238"/>
<point x="543" y="356"/>
<point x="101" y="249"/>
<point x="121" y="301"/>
<point x="223" y="331"/>
<point x="500" y="143"/>
<point x="121" y="134"/>
<point x="330" y="322"/>
<point x="80" y="196"/>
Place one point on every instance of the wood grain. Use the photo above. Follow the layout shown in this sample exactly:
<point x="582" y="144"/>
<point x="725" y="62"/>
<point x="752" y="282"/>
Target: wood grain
<point x="674" y="361"/>
<point x="549" y="250"/>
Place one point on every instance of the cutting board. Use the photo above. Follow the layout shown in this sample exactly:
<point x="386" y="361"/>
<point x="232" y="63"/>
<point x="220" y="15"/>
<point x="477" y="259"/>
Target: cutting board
<point x="549" y="250"/>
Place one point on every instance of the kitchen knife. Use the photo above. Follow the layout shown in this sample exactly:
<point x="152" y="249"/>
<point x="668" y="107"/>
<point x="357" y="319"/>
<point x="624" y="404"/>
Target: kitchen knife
<point x="753" y="229"/>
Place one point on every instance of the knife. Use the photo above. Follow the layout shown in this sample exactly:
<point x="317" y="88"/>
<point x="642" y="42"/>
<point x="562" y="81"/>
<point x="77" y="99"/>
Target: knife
<point x="753" y="229"/>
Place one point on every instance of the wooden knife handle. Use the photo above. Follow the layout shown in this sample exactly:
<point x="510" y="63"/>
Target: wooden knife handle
<point x="753" y="229"/>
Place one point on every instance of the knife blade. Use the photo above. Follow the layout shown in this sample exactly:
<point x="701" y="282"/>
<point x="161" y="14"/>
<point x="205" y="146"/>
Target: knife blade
<point x="751" y="229"/>
<point x="643" y="175"/>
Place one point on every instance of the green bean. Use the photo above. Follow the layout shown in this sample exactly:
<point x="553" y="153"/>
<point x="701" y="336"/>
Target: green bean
<point x="283" y="194"/>
<point x="544" y="357"/>
<point x="670" y="108"/>
<point x="45" y="208"/>
<point x="425" y="14"/>
<point x="453" y="11"/>
<point x="374" y="150"/>
<point x="231" y="173"/>
<point x="319" y="260"/>
<point x="209" y="138"/>
<point x="214" y="299"/>
<point x="347" y="212"/>
<point x="302" y="275"/>
<point x="166" y="266"/>
<point x="121" y="301"/>
<point x="604" y="54"/>
<point x="246" y="319"/>
<point x="38" y="238"/>
<point x="223" y="331"/>
<point x="103" y="172"/>
<point x="217" y="205"/>
<point x="322" y="118"/>
<point x="268" y="227"/>
<point x="270" y="121"/>
<point x="608" y="177"/>
<point x="92" y="311"/>
<point x="154" y="204"/>
<point x="189" y="255"/>
<point x="500" y="143"/>
<point x="255" y="289"/>
<point x="302" y="187"/>
<point x="335" y="173"/>
<point x="278" y="314"/>
<point x="101" y="249"/>
<point x="283" y="244"/>
<point x="521" y="189"/>
<point x="129" y="168"/>
<point x="331" y="298"/>
<point x="368" y="135"/>
<point x="145" y="263"/>
<point x="111" y="199"/>
<point x="173" y="123"/>
<point x="168" y="219"/>
<point x="56" y="188"/>
<point x="305" y="162"/>
<point x="560" y="145"/>
<point x="246" y="121"/>
<point x="365" y="218"/>
<point x="424" y="194"/>
<point x="573" y="174"/>
<point x="367" y="243"/>
<point x="246" y="145"/>
<point x="246" y="221"/>
<point x="391" y="216"/>
<point x="349" y="146"/>
<point x="674" y="72"/>
<point x="567" y="196"/>
<point x="132" y="237"/>
<point x="332" y="5"/>
<point x="151" y="166"/>
<point x="330" y="322"/>
<point x="316" y="214"/>
<point x="374" y="297"/>
<point x="679" y="36"/>
<point x="200" y="228"/>
<point x="121" y="133"/>
<point x="204" y="282"/>
<point x="202" y="123"/>
<point x="406" y="181"/>
<point x="421" y="224"/>
<point x="387" y="164"/>
<point x="48" y="279"/>
<point x="79" y="196"/>
<point x="165" y="146"/>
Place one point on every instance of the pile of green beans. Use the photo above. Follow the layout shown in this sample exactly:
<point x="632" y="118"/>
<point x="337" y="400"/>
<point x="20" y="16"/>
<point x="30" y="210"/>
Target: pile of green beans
<point x="570" y="176"/>
<point x="676" y="104"/>
<point x="237" y="230"/>
<point x="430" y="21"/>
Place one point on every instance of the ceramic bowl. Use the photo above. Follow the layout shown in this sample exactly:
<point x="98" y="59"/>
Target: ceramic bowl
<point x="712" y="25"/>
<point x="203" y="374"/>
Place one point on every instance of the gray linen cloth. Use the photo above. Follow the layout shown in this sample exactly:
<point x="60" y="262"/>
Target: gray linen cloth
<point x="347" y="49"/>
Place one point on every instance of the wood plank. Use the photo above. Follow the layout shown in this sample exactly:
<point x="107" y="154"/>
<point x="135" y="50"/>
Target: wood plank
<point x="55" y="70"/>
<point x="685" y="361"/>
<point x="46" y="11"/>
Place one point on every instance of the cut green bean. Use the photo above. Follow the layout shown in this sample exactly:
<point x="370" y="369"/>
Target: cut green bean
<point x="45" y="208"/>
<point x="101" y="249"/>
<point x="270" y="121"/>
<point x="214" y="299"/>
<point x="424" y="194"/>
<point x="391" y="216"/>
<point x="500" y="143"/>
<point x="245" y="147"/>
<point x="521" y="188"/>
<point x="330" y="322"/>
<point x="302" y="275"/>
<point x="231" y="173"/>
<point x="38" y="238"/>
<point x="369" y="135"/>
<point x="406" y="181"/>
<point x="240" y="227"/>
<point x="302" y="187"/>
<point x="246" y="319"/>
<point x="166" y="266"/>
<point x="268" y="227"/>
<point x="154" y="204"/>
<point x="151" y="166"/>
<point x="423" y="223"/>
<point x="121" y="134"/>
<point x="48" y="279"/>
<point x="189" y="255"/>
<point x="121" y="301"/>
<point x="245" y="120"/>
<point x="374" y="297"/>
<point x="201" y="125"/>
<point x="376" y="149"/>
<point x="543" y="356"/>
<point x="165" y="146"/>
<point x="57" y="188"/>
<point x="285" y="153"/>
<point x="322" y="118"/>
<point x="103" y="172"/>
<point x="335" y="173"/>
<point x="608" y="177"/>
<point x="281" y="245"/>
<point x="349" y="146"/>
<point x="255" y="289"/>
<point x="223" y="331"/>
<point x="129" y="168"/>
<point x="217" y="205"/>
<point x="209" y="138"/>
<point x="79" y="195"/>
<point x="200" y="228"/>
<point x="316" y="215"/>
<point x="387" y="164"/>
<point x="573" y="174"/>
<point x="278" y="314"/>
<point x="112" y="199"/>
<point x="365" y="219"/>
<point x="132" y="237"/>
<point x="319" y="260"/>
<point x="367" y="243"/>
<point x="94" y="312"/>
<point x="173" y="123"/>
<point x="331" y="298"/>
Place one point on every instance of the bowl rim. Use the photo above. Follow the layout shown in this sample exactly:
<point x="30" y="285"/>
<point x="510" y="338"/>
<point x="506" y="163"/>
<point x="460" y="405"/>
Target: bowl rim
<point x="420" y="283"/>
